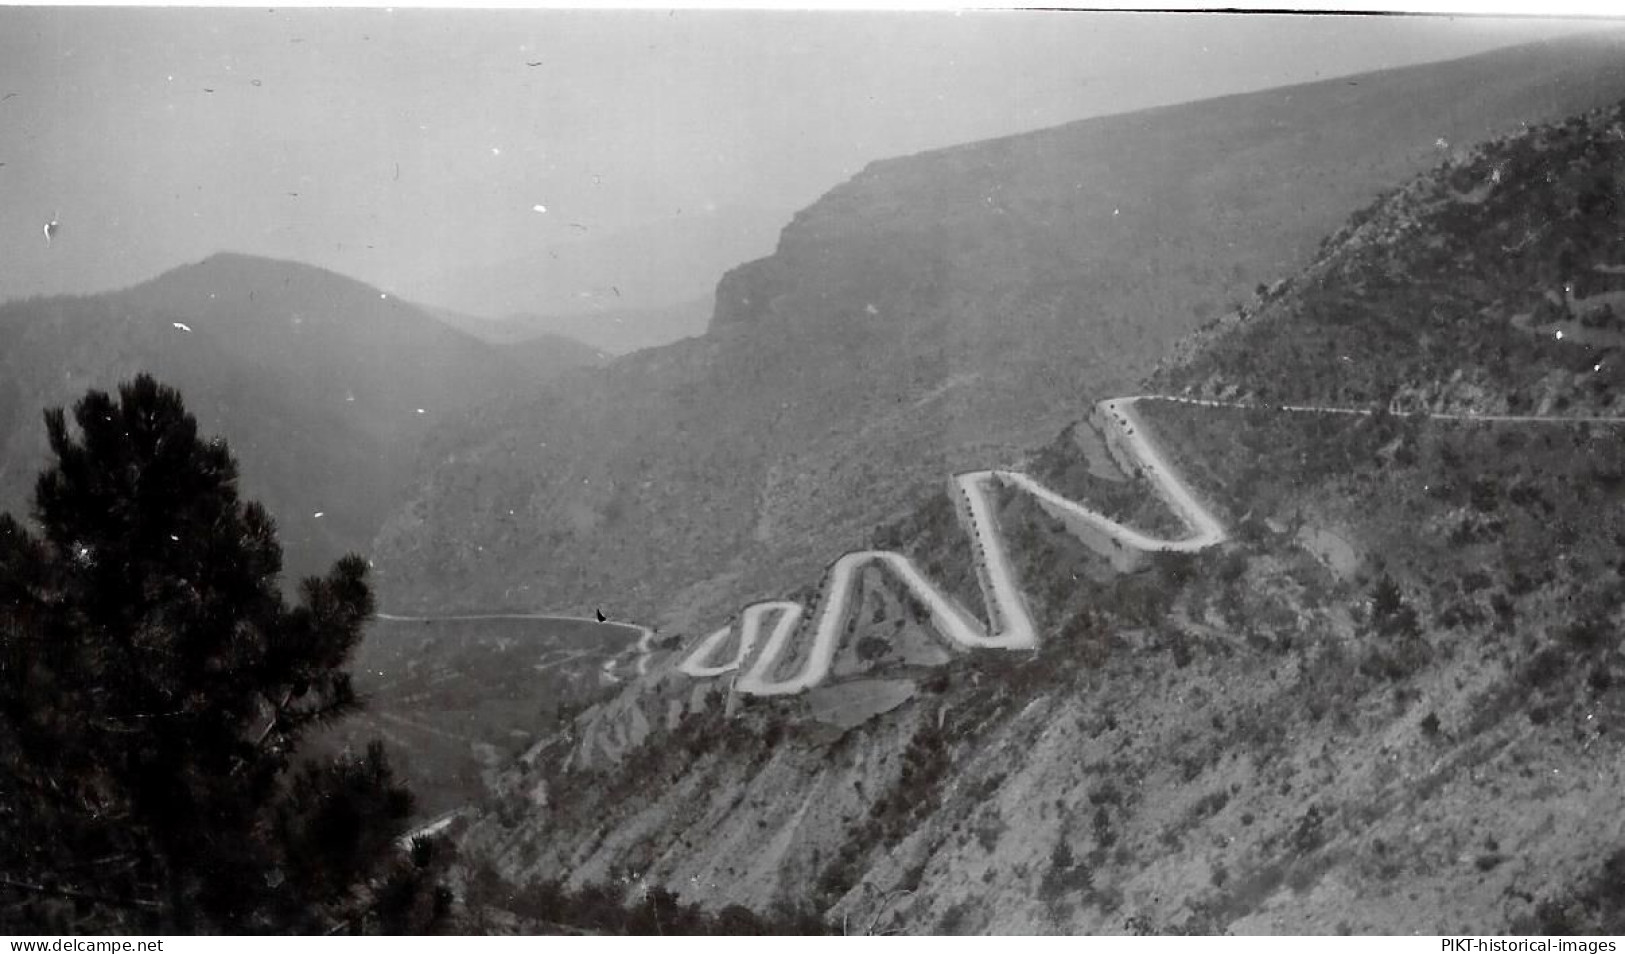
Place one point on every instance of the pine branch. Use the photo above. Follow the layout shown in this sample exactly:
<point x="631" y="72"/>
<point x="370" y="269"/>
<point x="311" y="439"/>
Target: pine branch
<point x="128" y="860"/>
<point x="140" y="904"/>
<point x="276" y="718"/>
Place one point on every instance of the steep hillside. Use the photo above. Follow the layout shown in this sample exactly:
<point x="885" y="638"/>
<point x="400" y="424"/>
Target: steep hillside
<point x="1386" y="702"/>
<point x="457" y="700"/>
<point x="323" y="386"/>
<point x="1494" y="284"/>
<point x="937" y="312"/>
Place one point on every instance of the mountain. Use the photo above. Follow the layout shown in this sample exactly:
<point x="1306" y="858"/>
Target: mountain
<point x="1384" y="700"/>
<point x="322" y="386"/>
<point x="574" y="269"/>
<point x="545" y="355"/>
<point x="615" y="330"/>
<point x="937" y="312"/>
<point x="1516" y="239"/>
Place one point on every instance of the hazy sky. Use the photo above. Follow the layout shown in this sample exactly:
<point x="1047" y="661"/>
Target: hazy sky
<point x="381" y="143"/>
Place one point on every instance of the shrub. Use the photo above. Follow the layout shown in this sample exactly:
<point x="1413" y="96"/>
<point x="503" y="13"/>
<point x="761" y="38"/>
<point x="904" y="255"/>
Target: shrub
<point x="1310" y="832"/>
<point x="1065" y="874"/>
<point x="872" y="648"/>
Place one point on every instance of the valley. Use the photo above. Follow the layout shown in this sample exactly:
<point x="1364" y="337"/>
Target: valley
<point x="458" y="698"/>
<point x="1369" y="686"/>
<point x="935" y="314"/>
<point x="1200" y="519"/>
<point x="327" y="389"/>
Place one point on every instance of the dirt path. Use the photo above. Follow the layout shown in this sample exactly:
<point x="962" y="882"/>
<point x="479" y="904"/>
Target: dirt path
<point x="641" y="650"/>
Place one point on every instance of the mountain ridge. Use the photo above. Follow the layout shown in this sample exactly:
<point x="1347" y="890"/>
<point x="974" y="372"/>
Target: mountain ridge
<point x="323" y="385"/>
<point x="613" y="330"/>
<point x="1382" y="704"/>
<point x="650" y="266"/>
<point x="929" y="322"/>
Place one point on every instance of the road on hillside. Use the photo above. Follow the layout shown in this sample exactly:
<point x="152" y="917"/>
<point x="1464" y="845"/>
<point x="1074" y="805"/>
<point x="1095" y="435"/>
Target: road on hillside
<point x="1013" y="626"/>
<point x="1012" y="622"/>
<point x="694" y="664"/>
<point x="643" y="647"/>
<point x="1396" y="412"/>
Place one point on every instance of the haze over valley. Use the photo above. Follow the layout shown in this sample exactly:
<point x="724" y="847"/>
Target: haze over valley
<point x="742" y="472"/>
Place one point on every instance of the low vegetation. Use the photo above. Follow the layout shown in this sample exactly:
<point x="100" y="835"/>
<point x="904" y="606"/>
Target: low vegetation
<point x="492" y="906"/>
<point x="1453" y="292"/>
<point x="459" y="700"/>
<point x="1063" y="466"/>
<point x="932" y="536"/>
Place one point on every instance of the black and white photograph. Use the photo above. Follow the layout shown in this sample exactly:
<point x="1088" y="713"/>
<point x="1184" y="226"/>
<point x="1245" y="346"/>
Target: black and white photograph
<point x="682" y="471"/>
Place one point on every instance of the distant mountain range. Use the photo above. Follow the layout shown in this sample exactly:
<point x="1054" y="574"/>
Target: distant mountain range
<point x="615" y="330"/>
<point x="936" y="312"/>
<point x="323" y="386"/>
<point x="618" y="291"/>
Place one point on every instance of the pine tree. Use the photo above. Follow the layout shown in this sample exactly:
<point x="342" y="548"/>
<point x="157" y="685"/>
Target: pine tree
<point x="154" y="689"/>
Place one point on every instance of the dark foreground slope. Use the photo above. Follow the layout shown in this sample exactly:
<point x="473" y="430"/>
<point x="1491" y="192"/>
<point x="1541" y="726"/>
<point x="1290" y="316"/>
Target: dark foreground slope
<point x="1389" y="703"/>
<point x="937" y="311"/>
<point x="323" y="386"/>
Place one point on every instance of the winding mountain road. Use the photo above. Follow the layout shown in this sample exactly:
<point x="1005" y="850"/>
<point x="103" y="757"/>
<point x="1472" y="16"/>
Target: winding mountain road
<point x="1011" y="622"/>
<point x="1012" y="626"/>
